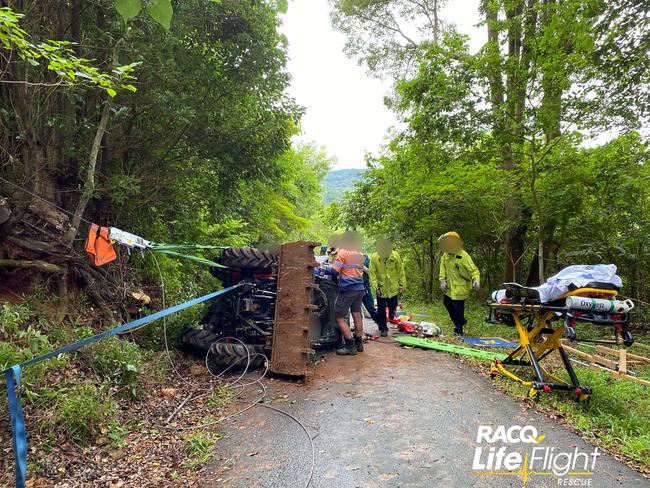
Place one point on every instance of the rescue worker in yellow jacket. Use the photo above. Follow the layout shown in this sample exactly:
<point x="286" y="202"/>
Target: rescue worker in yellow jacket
<point x="458" y="277"/>
<point x="387" y="274"/>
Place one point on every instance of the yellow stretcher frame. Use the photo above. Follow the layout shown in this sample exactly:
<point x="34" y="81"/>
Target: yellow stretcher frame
<point x="540" y="339"/>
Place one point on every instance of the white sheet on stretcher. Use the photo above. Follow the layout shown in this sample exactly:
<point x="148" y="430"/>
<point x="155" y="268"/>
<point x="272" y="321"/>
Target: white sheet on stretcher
<point x="577" y="275"/>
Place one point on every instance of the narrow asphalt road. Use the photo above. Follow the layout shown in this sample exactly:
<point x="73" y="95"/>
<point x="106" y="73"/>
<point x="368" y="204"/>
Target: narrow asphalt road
<point x="393" y="417"/>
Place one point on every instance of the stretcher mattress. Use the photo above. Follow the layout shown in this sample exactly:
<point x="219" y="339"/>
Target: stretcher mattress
<point x="570" y="278"/>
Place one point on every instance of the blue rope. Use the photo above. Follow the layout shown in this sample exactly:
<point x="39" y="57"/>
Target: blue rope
<point x="12" y="375"/>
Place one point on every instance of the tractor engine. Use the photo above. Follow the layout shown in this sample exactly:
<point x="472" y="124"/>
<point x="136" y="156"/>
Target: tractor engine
<point x="247" y="313"/>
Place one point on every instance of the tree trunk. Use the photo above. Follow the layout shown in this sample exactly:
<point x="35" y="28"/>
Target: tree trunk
<point x="551" y="106"/>
<point x="436" y="23"/>
<point x="504" y="98"/>
<point x="432" y="267"/>
<point x="420" y="259"/>
<point x="514" y="243"/>
<point x="547" y="246"/>
<point x="89" y="184"/>
<point x="510" y="99"/>
<point x="34" y="264"/>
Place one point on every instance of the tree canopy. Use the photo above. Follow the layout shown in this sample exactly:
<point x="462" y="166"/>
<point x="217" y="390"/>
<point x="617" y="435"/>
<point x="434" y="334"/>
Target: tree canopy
<point x="501" y="144"/>
<point x="170" y="120"/>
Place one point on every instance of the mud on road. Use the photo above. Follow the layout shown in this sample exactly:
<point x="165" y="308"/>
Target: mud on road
<point x="389" y="417"/>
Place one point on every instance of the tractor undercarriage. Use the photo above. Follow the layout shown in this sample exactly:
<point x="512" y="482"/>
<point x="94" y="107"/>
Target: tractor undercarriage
<point x="279" y="308"/>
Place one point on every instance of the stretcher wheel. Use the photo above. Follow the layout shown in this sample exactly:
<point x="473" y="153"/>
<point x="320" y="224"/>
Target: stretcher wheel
<point x="584" y="393"/>
<point x="533" y="394"/>
<point x="494" y="372"/>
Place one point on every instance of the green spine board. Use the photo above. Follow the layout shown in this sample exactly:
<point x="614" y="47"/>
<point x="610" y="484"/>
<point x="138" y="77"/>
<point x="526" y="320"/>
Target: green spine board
<point x="452" y="348"/>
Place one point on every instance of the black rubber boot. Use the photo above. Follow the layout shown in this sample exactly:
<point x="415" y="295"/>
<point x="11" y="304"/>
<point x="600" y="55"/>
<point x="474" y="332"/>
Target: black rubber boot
<point x="358" y="341"/>
<point x="350" y="348"/>
<point x="383" y="333"/>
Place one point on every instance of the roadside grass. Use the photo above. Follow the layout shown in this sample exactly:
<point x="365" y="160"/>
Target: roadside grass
<point x="103" y="400"/>
<point x="220" y="397"/>
<point x="83" y="411"/>
<point x="617" y="416"/>
<point x="199" y="448"/>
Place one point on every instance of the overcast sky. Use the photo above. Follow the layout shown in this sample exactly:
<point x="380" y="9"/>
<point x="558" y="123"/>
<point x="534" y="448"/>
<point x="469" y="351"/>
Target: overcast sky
<point x="344" y="107"/>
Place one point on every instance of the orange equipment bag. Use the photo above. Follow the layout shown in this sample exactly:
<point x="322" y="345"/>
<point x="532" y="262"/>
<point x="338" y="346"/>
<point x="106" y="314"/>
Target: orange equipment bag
<point x="98" y="246"/>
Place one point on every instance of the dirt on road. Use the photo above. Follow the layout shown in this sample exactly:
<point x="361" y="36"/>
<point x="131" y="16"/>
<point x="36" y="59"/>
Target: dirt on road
<point x="393" y="417"/>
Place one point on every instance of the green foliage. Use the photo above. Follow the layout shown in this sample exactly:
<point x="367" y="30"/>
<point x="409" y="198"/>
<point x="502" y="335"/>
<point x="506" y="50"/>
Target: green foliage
<point x="199" y="448"/>
<point x="616" y="414"/>
<point x="61" y="333"/>
<point x="161" y="11"/>
<point x="20" y="340"/>
<point x="59" y="57"/>
<point x="157" y="367"/>
<point x="48" y="444"/>
<point x="200" y="153"/>
<point x="621" y="38"/>
<point x="116" y="433"/>
<point x="12" y="317"/>
<point x="223" y="132"/>
<point x="220" y="397"/>
<point x="296" y="198"/>
<point x="83" y="411"/>
<point x="338" y="182"/>
<point x="236" y="179"/>
<point x="475" y="314"/>
<point x="128" y="9"/>
<point x="117" y="361"/>
<point x="491" y="148"/>
<point x="282" y="6"/>
<point x="83" y="331"/>
<point x="385" y="35"/>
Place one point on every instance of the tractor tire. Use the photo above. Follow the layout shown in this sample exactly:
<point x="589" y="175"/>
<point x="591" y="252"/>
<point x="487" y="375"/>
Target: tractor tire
<point x="224" y="354"/>
<point x="221" y="274"/>
<point x="199" y="341"/>
<point x="249" y="258"/>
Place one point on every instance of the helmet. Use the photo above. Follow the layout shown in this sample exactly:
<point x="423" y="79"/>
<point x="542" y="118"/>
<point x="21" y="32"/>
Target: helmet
<point x="449" y="234"/>
<point x="450" y="242"/>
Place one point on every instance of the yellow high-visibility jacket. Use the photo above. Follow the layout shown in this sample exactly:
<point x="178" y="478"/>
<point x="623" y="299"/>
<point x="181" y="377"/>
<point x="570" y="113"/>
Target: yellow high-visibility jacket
<point x="387" y="274"/>
<point x="459" y="270"/>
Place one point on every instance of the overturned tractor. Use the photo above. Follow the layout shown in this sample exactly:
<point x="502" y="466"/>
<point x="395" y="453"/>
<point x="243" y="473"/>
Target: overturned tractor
<point x="277" y="307"/>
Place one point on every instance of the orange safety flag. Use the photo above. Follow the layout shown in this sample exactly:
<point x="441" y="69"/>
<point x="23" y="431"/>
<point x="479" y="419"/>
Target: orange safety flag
<point x="98" y="246"/>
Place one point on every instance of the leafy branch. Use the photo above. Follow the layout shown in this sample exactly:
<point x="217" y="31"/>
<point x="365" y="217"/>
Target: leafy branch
<point x="59" y="58"/>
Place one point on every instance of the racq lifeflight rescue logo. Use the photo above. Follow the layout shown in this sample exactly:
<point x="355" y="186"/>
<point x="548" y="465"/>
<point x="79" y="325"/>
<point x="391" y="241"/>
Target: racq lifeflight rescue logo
<point x="518" y="451"/>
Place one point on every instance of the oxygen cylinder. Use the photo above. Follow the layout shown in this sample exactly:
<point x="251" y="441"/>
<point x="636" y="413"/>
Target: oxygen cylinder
<point x="599" y="304"/>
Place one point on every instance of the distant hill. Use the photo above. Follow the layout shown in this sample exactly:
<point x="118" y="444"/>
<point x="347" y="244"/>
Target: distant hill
<point x="338" y="181"/>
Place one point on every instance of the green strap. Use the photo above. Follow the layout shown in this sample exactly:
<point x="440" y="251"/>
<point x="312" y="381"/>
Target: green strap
<point x="197" y="259"/>
<point x="171" y="250"/>
<point x="184" y="247"/>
